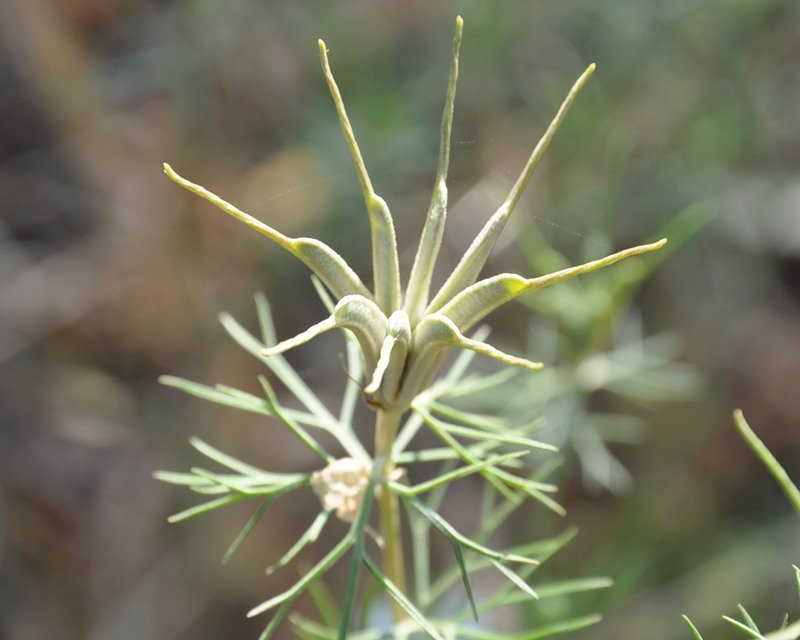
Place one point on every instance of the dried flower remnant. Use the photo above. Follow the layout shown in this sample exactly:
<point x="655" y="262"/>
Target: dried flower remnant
<point x="341" y="485"/>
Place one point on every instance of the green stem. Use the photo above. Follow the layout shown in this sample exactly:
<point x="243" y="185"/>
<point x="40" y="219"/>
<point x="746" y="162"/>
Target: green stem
<point x="386" y="426"/>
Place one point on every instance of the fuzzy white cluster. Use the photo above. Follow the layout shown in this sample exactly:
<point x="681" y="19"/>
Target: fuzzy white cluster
<point x="341" y="485"/>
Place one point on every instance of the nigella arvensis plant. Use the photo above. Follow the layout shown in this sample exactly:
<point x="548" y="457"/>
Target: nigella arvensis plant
<point x="402" y="336"/>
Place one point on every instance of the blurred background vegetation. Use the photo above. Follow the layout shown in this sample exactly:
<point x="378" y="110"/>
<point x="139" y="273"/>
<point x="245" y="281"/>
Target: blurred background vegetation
<point x="110" y="275"/>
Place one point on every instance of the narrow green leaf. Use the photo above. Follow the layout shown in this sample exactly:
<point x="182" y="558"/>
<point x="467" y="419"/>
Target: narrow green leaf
<point x="315" y="631"/>
<point x="568" y="587"/>
<point x="450" y="532"/>
<point x="542" y="550"/>
<point x="224" y="459"/>
<point x="358" y="530"/>
<point x="253" y="486"/>
<point x="479" y="384"/>
<point x="205" y="507"/>
<point x="419" y="282"/>
<point x="385" y="265"/>
<point x="464" y="453"/>
<point x="408" y="430"/>
<point x="295" y="428"/>
<point x="535" y="490"/>
<point x="462" y="568"/>
<point x="558" y="628"/>
<point x="486" y="422"/>
<point x="402" y="600"/>
<point x="748" y="620"/>
<point x="438" y="454"/>
<point x="744" y="628"/>
<point x="317" y="570"/>
<point x="499" y="438"/>
<point x="310" y="536"/>
<point x="184" y="479"/>
<point x="324" y="295"/>
<point x="769" y="460"/>
<point x="497" y="477"/>
<point x="248" y="528"/>
<point x="352" y="391"/>
<point x="277" y="618"/>
<point x="797" y="578"/>
<point x="277" y="364"/>
<point x="265" y="322"/>
<point x="294" y="383"/>
<point x="470" y="265"/>
<point x="506" y="597"/>
<point x="424" y="487"/>
<point x="350" y="594"/>
<point x="327" y="604"/>
<point x="323" y="261"/>
<point x="219" y="395"/>
<point x="545" y="549"/>
<point x="515" y="579"/>
<point x="540" y="633"/>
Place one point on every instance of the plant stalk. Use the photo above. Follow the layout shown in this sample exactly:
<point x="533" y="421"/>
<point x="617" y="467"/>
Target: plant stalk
<point x="386" y="426"/>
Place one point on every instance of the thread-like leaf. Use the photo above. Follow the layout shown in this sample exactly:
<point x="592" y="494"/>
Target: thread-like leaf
<point x="401" y="599"/>
<point x="293" y="382"/>
<point x="744" y="628"/>
<point x="310" y="536"/>
<point x="255" y="486"/>
<point x="748" y="619"/>
<point x="224" y="459"/>
<point x="248" y="528"/>
<point x="277" y="618"/>
<point x="500" y="437"/>
<point x="769" y="460"/>
<point x="295" y="428"/>
<point x="797" y="578"/>
<point x="358" y="529"/>
<point x="463" y="452"/>
<point x="451" y="533"/>
<point x="515" y="579"/>
<point x="219" y="395"/>
<point x="205" y="507"/>
<point x="461" y="472"/>
<point x="568" y="587"/>
<point x="316" y="571"/>
<point x="540" y="633"/>
<point x="497" y="477"/>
